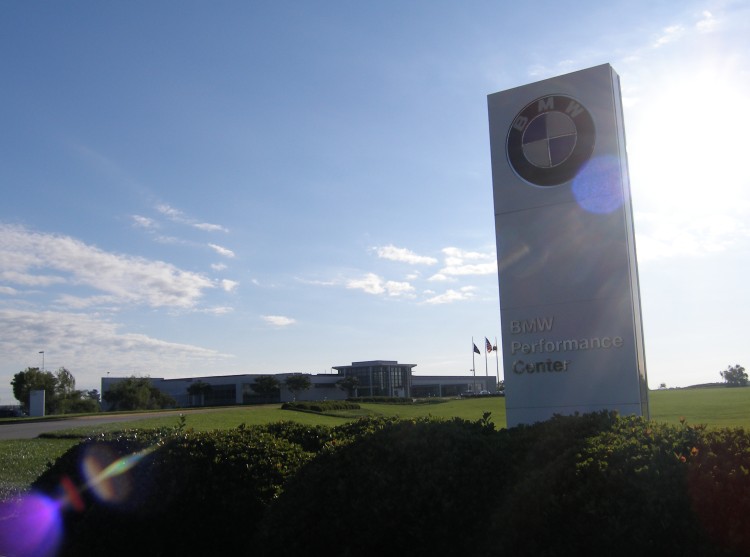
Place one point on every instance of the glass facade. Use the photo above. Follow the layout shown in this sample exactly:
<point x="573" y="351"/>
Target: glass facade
<point x="380" y="378"/>
<point x="221" y="395"/>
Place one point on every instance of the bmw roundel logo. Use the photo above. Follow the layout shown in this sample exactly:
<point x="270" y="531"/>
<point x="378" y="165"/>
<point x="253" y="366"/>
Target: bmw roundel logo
<point x="550" y="139"/>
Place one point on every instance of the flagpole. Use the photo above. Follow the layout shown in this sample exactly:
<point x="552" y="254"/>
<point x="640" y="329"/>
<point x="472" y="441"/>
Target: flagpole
<point x="497" y="363"/>
<point x="473" y="366"/>
<point x="486" y="373"/>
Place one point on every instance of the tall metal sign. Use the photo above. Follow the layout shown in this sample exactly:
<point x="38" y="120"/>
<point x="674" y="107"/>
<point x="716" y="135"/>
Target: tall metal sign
<point x="570" y="309"/>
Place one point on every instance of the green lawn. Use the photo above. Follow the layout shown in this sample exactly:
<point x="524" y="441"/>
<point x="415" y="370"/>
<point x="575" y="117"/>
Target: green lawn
<point x="711" y="406"/>
<point x="21" y="461"/>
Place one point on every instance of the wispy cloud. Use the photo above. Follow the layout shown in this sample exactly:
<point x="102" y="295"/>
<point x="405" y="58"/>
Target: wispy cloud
<point x="458" y="262"/>
<point x="220" y="310"/>
<point x="144" y="222"/>
<point x="668" y="35"/>
<point x="278" y="320"/>
<point x="450" y="296"/>
<point x="210" y="227"/>
<point x="229" y="285"/>
<point x="40" y="259"/>
<point x="222" y="250"/>
<point x="175" y="215"/>
<point x="403" y="255"/>
<point x="87" y="343"/>
<point x="707" y="23"/>
<point x="373" y="284"/>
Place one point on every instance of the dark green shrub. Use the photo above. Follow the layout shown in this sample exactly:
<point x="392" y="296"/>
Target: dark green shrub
<point x="403" y="488"/>
<point x="187" y="494"/>
<point x="595" y="485"/>
<point x="310" y="438"/>
<point x="382" y="399"/>
<point x="718" y="477"/>
<point x="320" y="405"/>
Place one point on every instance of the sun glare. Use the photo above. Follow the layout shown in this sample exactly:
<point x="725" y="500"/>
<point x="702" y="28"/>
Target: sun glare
<point x="688" y="142"/>
<point x="686" y="145"/>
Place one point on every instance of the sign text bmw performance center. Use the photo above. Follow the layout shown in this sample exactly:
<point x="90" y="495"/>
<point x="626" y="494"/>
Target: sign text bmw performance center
<point x="569" y="297"/>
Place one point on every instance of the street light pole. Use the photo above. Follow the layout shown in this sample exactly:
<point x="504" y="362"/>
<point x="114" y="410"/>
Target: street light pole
<point x="42" y="353"/>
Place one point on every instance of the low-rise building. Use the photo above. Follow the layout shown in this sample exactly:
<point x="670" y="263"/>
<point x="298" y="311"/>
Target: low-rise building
<point x="373" y="378"/>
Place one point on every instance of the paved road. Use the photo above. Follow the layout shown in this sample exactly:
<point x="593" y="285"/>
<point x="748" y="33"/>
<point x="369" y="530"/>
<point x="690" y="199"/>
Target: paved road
<point x="29" y="430"/>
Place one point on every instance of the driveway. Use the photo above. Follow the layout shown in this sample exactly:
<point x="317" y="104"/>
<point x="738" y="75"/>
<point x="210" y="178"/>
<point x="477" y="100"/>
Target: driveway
<point x="30" y="430"/>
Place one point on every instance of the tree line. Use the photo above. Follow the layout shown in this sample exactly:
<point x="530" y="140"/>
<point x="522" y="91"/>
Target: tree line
<point x="61" y="395"/>
<point x="137" y="393"/>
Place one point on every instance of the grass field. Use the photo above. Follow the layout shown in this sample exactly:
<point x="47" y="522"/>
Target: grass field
<point x="21" y="461"/>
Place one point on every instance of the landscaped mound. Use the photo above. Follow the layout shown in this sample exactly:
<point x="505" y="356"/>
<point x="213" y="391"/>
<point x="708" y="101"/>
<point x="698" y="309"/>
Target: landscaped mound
<point x="579" y="485"/>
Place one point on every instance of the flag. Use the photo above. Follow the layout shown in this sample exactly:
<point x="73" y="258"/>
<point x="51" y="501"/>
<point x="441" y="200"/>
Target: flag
<point x="476" y="349"/>
<point x="488" y="344"/>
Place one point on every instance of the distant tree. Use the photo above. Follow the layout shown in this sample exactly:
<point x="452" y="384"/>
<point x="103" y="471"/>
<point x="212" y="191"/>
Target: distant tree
<point x="93" y="394"/>
<point x="266" y="386"/>
<point x="200" y="389"/>
<point x="349" y="384"/>
<point x="734" y="376"/>
<point x="662" y="385"/>
<point x="33" y="379"/>
<point x="60" y="394"/>
<point x="77" y="402"/>
<point x="298" y="382"/>
<point x="66" y="383"/>
<point x="136" y="393"/>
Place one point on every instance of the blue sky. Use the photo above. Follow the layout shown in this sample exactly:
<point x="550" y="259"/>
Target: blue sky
<point x="206" y="188"/>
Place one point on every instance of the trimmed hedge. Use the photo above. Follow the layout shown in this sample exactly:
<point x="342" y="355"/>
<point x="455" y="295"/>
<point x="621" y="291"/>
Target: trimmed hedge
<point x="577" y="485"/>
<point x="320" y="405"/>
<point x="383" y="399"/>
<point x="595" y="484"/>
<point x="189" y="494"/>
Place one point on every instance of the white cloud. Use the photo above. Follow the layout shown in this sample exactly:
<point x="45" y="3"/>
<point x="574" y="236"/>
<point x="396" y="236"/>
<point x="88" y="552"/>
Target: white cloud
<point x="370" y="283"/>
<point x="395" y="288"/>
<point x="669" y="35"/>
<point x="373" y="284"/>
<point x="229" y="285"/>
<point x="210" y="227"/>
<point x="278" y="320"/>
<point x="450" y="296"/>
<point x="707" y="24"/>
<point x="169" y="240"/>
<point x="25" y="279"/>
<point x="219" y="310"/>
<point x="170" y="212"/>
<point x="465" y="263"/>
<point x="144" y="222"/>
<point x="218" y="266"/>
<point x="125" y="278"/>
<point x="78" y="302"/>
<point x="91" y="346"/>
<point x="404" y="255"/>
<point x="222" y="250"/>
<point x="8" y="291"/>
<point x="175" y="215"/>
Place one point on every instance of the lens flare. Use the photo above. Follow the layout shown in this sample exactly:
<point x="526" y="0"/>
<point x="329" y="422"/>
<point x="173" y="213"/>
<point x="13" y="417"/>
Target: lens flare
<point x="597" y="187"/>
<point x="106" y="475"/>
<point x="30" y="526"/>
<point x="70" y="495"/>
